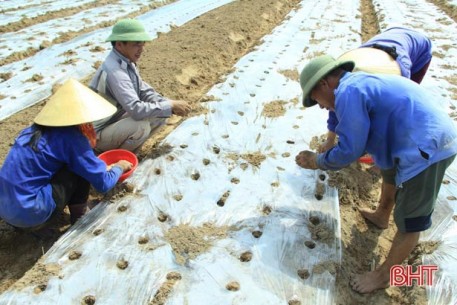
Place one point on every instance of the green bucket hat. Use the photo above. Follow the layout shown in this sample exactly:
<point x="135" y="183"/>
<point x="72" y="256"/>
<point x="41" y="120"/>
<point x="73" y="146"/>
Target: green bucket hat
<point x="128" y="30"/>
<point x="315" y="70"/>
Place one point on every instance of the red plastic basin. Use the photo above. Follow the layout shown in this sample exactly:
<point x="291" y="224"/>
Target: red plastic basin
<point x="115" y="155"/>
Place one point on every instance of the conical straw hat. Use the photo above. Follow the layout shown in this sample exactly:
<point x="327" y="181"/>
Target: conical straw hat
<point x="74" y="104"/>
<point x="372" y="60"/>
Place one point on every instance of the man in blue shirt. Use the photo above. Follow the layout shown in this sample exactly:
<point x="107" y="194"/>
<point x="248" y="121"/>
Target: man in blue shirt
<point x="411" y="49"/>
<point x="411" y="52"/>
<point x="409" y="138"/>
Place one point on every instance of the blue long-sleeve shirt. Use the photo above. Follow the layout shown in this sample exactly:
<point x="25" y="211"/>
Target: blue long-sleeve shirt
<point x="414" y="51"/>
<point x="394" y="120"/>
<point x="25" y="189"/>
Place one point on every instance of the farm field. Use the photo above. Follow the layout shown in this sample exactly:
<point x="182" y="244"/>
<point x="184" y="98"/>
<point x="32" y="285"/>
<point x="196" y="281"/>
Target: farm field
<point x="223" y="182"/>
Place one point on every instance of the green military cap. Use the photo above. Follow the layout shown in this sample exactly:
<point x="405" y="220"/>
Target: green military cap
<point x="315" y="70"/>
<point x="129" y="30"/>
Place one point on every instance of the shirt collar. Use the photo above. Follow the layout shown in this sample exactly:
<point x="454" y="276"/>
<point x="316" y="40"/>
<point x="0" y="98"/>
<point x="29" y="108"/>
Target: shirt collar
<point x="123" y="59"/>
<point x="343" y="76"/>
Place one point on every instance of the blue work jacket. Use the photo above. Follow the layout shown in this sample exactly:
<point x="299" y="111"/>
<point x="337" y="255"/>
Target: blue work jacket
<point x="392" y="118"/>
<point x="25" y="177"/>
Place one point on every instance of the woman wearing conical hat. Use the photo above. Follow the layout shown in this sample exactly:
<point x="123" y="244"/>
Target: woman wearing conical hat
<point x="52" y="163"/>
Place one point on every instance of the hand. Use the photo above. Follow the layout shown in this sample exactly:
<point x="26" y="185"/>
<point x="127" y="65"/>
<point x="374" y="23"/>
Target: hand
<point x="326" y="146"/>
<point x="180" y="107"/>
<point x="307" y="159"/>
<point x="124" y="164"/>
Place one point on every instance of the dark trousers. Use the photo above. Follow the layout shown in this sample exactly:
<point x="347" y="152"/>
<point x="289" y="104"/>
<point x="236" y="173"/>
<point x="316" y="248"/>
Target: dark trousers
<point x="67" y="189"/>
<point x="419" y="75"/>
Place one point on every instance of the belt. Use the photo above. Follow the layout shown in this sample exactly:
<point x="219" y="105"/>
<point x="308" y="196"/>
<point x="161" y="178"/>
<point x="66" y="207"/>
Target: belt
<point x="392" y="51"/>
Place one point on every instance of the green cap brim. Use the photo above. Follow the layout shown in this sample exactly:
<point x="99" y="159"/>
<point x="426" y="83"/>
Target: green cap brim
<point x="347" y="65"/>
<point x="129" y="37"/>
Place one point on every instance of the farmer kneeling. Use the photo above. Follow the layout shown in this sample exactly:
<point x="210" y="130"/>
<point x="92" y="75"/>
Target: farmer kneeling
<point x="141" y="110"/>
<point x="410" y="139"/>
<point x="52" y="164"/>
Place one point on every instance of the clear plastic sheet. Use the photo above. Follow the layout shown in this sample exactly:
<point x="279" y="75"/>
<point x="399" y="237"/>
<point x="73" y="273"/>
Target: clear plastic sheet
<point x="76" y="58"/>
<point x="263" y="207"/>
<point x="231" y="174"/>
<point x="35" y="35"/>
<point x="16" y="4"/>
<point x="442" y="30"/>
<point x="444" y="288"/>
<point x="14" y="11"/>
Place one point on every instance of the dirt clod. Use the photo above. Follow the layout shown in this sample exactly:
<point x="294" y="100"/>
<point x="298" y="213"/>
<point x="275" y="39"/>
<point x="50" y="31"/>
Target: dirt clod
<point x="314" y="220"/>
<point x="74" y="255"/>
<point x="97" y="232"/>
<point x="310" y="244"/>
<point x="162" y="217"/>
<point x="122" y="208"/>
<point x="122" y="264"/>
<point x="88" y="300"/>
<point x="40" y="288"/>
<point x="233" y="286"/>
<point x="303" y="273"/>
<point x="143" y="240"/>
<point x="246" y="256"/>
<point x="174" y="276"/>
<point x="257" y="234"/>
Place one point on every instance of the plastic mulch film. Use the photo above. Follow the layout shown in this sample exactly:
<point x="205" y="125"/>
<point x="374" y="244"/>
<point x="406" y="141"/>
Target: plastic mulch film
<point x="224" y="215"/>
<point x="19" y="92"/>
<point x="440" y="244"/>
<point x="15" y="10"/>
<point x="440" y="241"/>
<point x="443" y="286"/>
